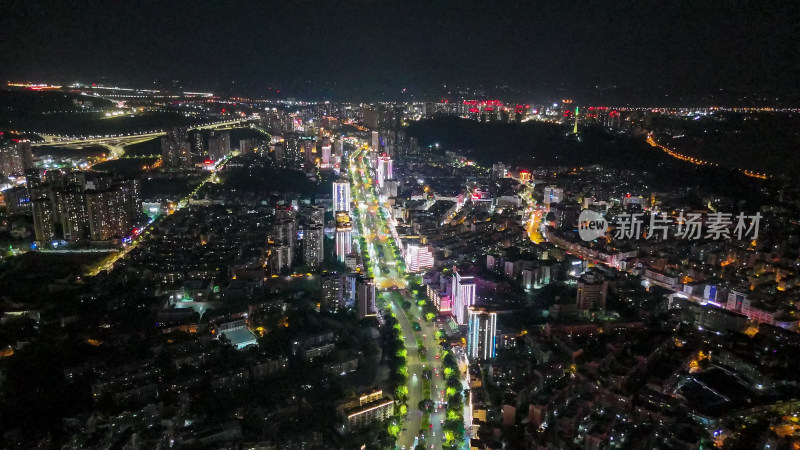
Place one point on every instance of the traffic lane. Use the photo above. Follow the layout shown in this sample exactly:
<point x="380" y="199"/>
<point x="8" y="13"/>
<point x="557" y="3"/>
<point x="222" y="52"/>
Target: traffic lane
<point x="435" y="434"/>
<point x="431" y="342"/>
<point x="414" y="418"/>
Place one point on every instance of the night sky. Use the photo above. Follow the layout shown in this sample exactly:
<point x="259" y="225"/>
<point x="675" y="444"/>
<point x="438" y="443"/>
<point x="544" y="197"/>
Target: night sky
<point x="370" y="50"/>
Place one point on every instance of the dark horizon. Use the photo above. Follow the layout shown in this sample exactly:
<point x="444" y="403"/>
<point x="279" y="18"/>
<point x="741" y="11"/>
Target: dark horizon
<point x="626" y="52"/>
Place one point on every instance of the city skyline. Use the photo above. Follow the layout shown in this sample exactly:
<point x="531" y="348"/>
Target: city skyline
<point x="395" y="226"/>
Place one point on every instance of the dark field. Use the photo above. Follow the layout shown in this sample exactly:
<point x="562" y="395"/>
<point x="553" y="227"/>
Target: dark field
<point x="26" y="278"/>
<point x="128" y="167"/>
<point x="68" y="152"/>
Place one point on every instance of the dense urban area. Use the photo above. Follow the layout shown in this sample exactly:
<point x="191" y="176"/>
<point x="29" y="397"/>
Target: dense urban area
<point x="181" y="269"/>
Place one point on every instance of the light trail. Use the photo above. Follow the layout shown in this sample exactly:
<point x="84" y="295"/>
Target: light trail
<point x="700" y="162"/>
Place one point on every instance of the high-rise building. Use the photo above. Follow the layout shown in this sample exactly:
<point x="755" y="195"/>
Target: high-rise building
<point x="332" y="287"/>
<point x="482" y="334"/>
<point x="325" y="148"/>
<point x="418" y="257"/>
<point x="27" y="154"/>
<point x="326" y="156"/>
<point x="176" y="150"/>
<point x="293" y="151"/>
<point x="33" y="178"/>
<point x="285" y="212"/>
<point x="553" y="194"/>
<point x="463" y="295"/>
<point x="132" y="196"/>
<point x="283" y="231"/>
<point x="309" y="150"/>
<point x="374" y="143"/>
<point x="344" y="236"/>
<point x="77" y="180"/>
<point x="316" y="214"/>
<point x="365" y="298"/>
<point x="349" y="290"/>
<point x="18" y="200"/>
<point x="15" y="157"/>
<point x="499" y="170"/>
<point x="73" y="215"/>
<point x="338" y="147"/>
<point x="280" y="257"/>
<point x="351" y="261"/>
<point x="389" y="141"/>
<point x="384" y="169"/>
<point x="43" y="220"/>
<point x="278" y="151"/>
<point x="592" y="290"/>
<point x="100" y="206"/>
<point x="412" y="146"/>
<point x="370" y="117"/>
<point x="197" y="142"/>
<point x="219" y="145"/>
<point x="107" y="215"/>
<point x="390" y="188"/>
<point x="341" y="196"/>
<point x="313" y="237"/>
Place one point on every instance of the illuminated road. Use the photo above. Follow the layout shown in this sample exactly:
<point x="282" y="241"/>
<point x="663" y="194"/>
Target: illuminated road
<point x="389" y="275"/>
<point x="700" y="162"/>
<point x="534" y="224"/>
<point x="120" y="140"/>
<point x="534" y="213"/>
<point x="416" y="365"/>
<point x="373" y="227"/>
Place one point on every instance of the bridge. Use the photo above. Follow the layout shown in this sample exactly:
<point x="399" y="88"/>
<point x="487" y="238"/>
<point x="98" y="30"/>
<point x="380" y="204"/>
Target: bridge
<point x="121" y="139"/>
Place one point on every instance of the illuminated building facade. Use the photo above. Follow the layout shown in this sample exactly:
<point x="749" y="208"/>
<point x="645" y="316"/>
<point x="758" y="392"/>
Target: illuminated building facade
<point x="107" y="214"/>
<point x="313" y="237"/>
<point x="43" y="220"/>
<point x="553" y="194"/>
<point x="344" y="236"/>
<point x="15" y="156"/>
<point x="368" y="409"/>
<point x="482" y="334"/>
<point x="463" y="296"/>
<point x="341" y="196"/>
<point x="441" y="300"/>
<point x="365" y="298"/>
<point x="418" y="257"/>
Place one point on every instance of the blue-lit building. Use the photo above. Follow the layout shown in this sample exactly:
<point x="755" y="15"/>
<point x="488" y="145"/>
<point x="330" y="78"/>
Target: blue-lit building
<point x="482" y="335"/>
